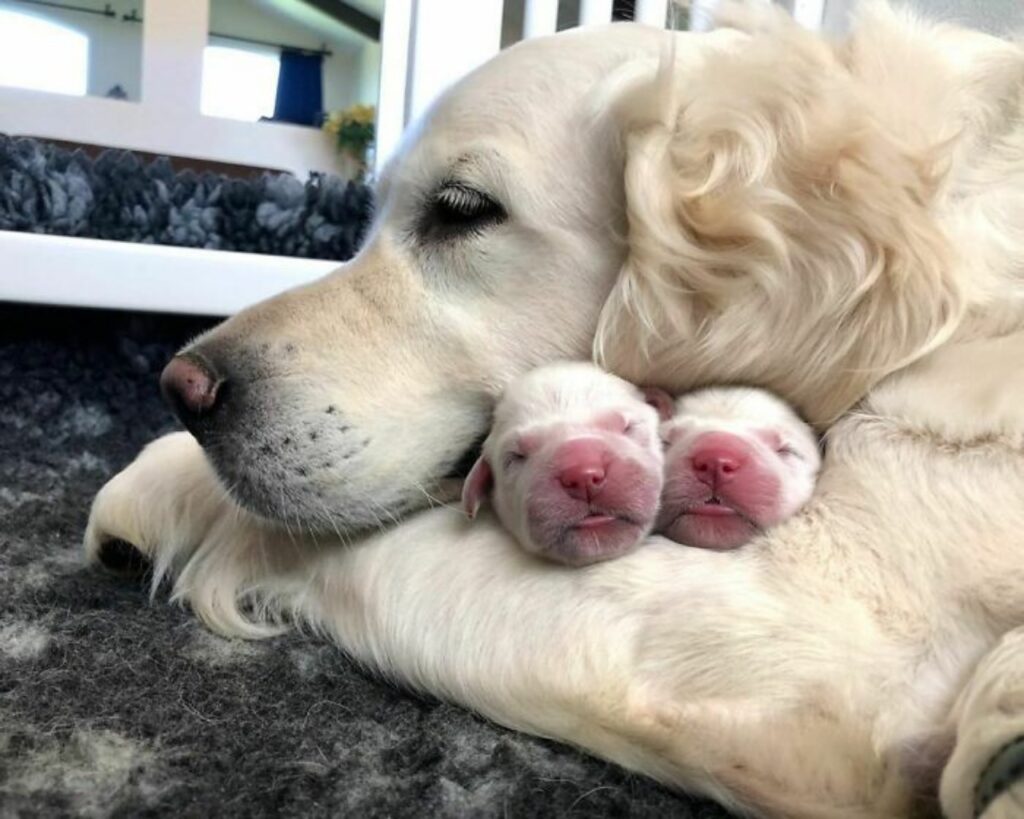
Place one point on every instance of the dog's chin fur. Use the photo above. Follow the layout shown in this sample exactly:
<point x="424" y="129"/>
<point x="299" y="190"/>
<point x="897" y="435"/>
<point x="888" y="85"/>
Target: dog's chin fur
<point x="838" y="222"/>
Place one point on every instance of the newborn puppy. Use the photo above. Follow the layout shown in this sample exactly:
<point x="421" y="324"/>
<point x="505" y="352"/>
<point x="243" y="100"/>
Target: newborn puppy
<point x="737" y="461"/>
<point x="573" y="463"/>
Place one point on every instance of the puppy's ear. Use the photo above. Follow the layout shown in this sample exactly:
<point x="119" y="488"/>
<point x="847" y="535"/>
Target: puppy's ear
<point x="660" y="400"/>
<point x="477" y="487"/>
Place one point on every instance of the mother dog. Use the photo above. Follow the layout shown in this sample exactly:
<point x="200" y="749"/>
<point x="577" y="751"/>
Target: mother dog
<point x="842" y="223"/>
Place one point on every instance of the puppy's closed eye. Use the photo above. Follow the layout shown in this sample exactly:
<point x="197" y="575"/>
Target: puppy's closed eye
<point x="512" y="458"/>
<point x="787" y="451"/>
<point x="457" y="210"/>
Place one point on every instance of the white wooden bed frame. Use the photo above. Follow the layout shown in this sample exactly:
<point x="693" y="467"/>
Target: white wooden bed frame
<point x="425" y="45"/>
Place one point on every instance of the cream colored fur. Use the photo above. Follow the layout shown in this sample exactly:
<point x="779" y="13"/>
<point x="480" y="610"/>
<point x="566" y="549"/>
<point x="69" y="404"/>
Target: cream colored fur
<point x="840" y="224"/>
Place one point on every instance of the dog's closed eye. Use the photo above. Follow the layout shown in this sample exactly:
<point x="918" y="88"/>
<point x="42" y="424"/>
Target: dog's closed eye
<point x="456" y="210"/>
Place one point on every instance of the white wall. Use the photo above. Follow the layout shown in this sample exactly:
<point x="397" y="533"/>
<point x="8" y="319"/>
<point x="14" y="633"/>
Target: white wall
<point x="369" y="74"/>
<point x="115" y="47"/>
<point x="167" y="120"/>
<point x="351" y="74"/>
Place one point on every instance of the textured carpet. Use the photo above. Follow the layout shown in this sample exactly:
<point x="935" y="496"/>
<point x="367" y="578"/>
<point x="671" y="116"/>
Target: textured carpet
<point x="111" y="706"/>
<point x="50" y="189"/>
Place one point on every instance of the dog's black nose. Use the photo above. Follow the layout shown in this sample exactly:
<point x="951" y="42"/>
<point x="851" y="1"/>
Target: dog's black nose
<point x="190" y="386"/>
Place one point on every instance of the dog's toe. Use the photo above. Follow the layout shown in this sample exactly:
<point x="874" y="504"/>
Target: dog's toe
<point x="123" y="558"/>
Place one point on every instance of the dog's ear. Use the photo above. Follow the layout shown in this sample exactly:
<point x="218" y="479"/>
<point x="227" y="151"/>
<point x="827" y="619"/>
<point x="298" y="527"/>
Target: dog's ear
<point x="477" y="486"/>
<point x="780" y="229"/>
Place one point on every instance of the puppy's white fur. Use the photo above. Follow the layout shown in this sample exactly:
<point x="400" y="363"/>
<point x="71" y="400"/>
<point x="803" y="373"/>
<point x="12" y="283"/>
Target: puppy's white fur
<point x="747" y="412"/>
<point x="561" y="401"/>
<point x="812" y="218"/>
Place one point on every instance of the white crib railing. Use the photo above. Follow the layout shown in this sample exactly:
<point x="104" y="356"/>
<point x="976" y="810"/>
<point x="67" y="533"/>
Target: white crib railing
<point x="809" y="13"/>
<point x="540" y="17"/>
<point x="428" y="44"/>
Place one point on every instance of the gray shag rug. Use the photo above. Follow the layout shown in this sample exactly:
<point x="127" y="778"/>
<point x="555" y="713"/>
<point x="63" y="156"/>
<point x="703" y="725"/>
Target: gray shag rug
<point x="113" y="706"/>
<point x="45" y="188"/>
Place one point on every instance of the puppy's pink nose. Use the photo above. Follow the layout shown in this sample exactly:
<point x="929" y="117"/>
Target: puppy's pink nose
<point x="717" y="458"/>
<point x="581" y="468"/>
<point x="582" y="481"/>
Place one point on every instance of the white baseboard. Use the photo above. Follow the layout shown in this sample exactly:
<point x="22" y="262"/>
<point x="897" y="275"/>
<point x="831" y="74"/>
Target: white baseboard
<point x="124" y="275"/>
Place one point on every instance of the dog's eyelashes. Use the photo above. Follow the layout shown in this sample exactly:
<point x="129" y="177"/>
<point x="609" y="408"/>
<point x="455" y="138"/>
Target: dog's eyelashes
<point x="456" y="210"/>
<point x="462" y="201"/>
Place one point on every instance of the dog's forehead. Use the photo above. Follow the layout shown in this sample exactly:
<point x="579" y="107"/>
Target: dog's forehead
<point x="556" y="66"/>
<point x="521" y="94"/>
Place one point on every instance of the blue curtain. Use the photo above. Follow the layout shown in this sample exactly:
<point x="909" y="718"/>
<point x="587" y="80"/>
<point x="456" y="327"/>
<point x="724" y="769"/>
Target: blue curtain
<point x="300" y="88"/>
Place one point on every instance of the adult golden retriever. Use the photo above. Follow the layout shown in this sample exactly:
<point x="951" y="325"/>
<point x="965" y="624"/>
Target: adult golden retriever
<point x="842" y="223"/>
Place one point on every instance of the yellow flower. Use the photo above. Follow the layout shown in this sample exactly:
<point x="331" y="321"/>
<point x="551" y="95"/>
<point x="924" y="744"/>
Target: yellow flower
<point x="358" y="114"/>
<point x="334" y="122"/>
<point x="362" y="114"/>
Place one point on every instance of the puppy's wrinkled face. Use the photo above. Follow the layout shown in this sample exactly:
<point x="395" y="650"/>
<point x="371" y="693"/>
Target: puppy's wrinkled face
<point x="575" y="464"/>
<point x="737" y="461"/>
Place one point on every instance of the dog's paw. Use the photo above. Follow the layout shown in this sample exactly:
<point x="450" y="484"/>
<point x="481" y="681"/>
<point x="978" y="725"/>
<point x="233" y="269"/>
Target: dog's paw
<point x="999" y="793"/>
<point x="985" y="774"/>
<point x="165" y="500"/>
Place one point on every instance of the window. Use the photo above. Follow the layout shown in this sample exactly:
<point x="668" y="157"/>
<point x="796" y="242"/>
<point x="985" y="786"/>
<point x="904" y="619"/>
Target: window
<point x="239" y="83"/>
<point x="42" y="56"/>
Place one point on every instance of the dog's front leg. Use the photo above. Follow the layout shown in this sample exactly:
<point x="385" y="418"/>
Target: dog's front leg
<point x="458" y="610"/>
<point x="163" y="504"/>
<point x="985" y="775"/>
<point x="169" y="507"/>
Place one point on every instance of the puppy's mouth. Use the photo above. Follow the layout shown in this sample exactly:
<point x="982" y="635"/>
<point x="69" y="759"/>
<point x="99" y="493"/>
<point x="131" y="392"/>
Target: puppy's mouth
<point x="715" y="507"/>
<point x="596" y="537"/>
<point x="600" y="523"/>
<point x="596" y="521"/>
<point x="597" y="516"/>
<point x="710" y="523"/>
